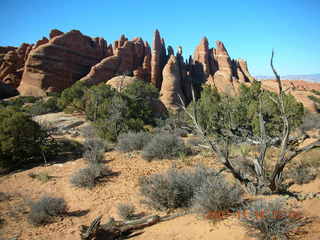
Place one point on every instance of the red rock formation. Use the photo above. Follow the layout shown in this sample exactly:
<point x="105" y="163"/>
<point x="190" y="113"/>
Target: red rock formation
<point x="55" y="33"/>
<point x="158" y="58"/>
<point x="171" y="85"/>
<point x="44" y="40"/>
<point x="146" y="65"/>
<point x="201" y="55"/>
<point x="59" y="63"/>
<point x="243" y="67"/>
<point x="102" y="71"/>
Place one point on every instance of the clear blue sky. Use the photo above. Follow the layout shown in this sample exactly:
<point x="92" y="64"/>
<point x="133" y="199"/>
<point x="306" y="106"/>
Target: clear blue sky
<point x="249" y="28"/>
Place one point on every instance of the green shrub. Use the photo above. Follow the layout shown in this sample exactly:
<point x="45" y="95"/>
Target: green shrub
<point x="22" y="140"/>
<point x="219" y="114"/>
<point x="44" y="210"/>
<point x="133" y="141"/>
<point x="174" y="188"/>
<point x="126" y="211"/>
<point x="271" y="219"/>
<point x="140" y="96"/>
<point x="163" y="145"/>
<point x="72" y="99"/>
<point x="43" y="107"/>
<point x="117" y="120"/>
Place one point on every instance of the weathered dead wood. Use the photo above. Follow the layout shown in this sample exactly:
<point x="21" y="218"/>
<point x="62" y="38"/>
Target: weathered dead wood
<point x="115" y="229"/>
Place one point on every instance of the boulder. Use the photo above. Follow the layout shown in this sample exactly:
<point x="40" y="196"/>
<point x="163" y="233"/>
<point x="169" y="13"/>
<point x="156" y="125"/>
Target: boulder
<point x="121" y="82"/>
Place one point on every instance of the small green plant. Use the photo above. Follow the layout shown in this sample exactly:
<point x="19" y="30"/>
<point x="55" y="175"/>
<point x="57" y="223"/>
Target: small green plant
<point x="42" y="177"/>
<point x="126" y="211"/>
<point x="46" y="209"/>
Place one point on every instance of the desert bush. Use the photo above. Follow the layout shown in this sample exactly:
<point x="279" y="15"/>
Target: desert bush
<point x="174" y="188"/>
<point x="311" y="121"/>
<point x="216" y="194"/>
<point x="22" y="140"/>
<point x="271" y="219"/>
<point x="87" y="177"/>
<point x="133" y="141"/>
<point x="126" y="211"/>
<point x="94" y="149"/>
<point x="163" y="145"/>
<point x="44" y="210"/>
<point x="302" y="174"/>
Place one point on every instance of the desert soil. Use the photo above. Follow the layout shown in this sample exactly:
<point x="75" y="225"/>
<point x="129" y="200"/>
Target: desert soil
<point x="85" y="205"/>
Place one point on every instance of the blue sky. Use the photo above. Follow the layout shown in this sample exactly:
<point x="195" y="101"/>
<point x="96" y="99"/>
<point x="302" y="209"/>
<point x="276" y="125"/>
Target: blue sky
<point x="248" y="28"/>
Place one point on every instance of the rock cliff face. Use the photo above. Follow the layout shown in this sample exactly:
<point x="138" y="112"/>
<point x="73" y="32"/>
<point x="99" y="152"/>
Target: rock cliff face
<point x="56" y="62"/>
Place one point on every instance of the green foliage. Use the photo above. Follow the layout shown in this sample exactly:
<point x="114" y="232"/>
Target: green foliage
<point x="72" y="99"/>
<point x="225" y="116"/>
<point x="43" y="107"/>
<point x="22" y="140"/>
<point x="19" y="101"/>
<point x="140" y="97"/>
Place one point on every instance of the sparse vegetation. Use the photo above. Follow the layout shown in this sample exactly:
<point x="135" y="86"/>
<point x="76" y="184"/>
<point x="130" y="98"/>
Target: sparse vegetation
<point x="46" y="209"/>
<point x="174" y="188"/>
<point x="94" y="149"/>
<point x="216" y="194"/>
<point x="163" y="145"/>
<point x="126" y="211"/>
<point x="133" y="141"/>
<point x="302" y="174"/>
<point x="271" y="219"/>
<point x="88" y="177"/>
<point x="42" y="177"/>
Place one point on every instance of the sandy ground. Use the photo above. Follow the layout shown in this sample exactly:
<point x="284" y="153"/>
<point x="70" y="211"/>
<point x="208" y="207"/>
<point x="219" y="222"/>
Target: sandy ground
<point x="103" y="199"/>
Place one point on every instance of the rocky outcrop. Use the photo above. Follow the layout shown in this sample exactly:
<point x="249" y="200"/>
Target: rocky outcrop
<point x="171" y="85"/>
<point x="11" y="64"/>
<point x="158" y="59"/>
<point x="121" y="82"/>
<point x="102" y="71"/>
<point x="59" y="63"/>
<point x="130" y="58"/>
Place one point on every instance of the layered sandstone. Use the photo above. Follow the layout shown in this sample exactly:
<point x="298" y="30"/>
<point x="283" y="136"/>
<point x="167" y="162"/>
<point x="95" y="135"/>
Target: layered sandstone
<point x="59" y="63"/>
